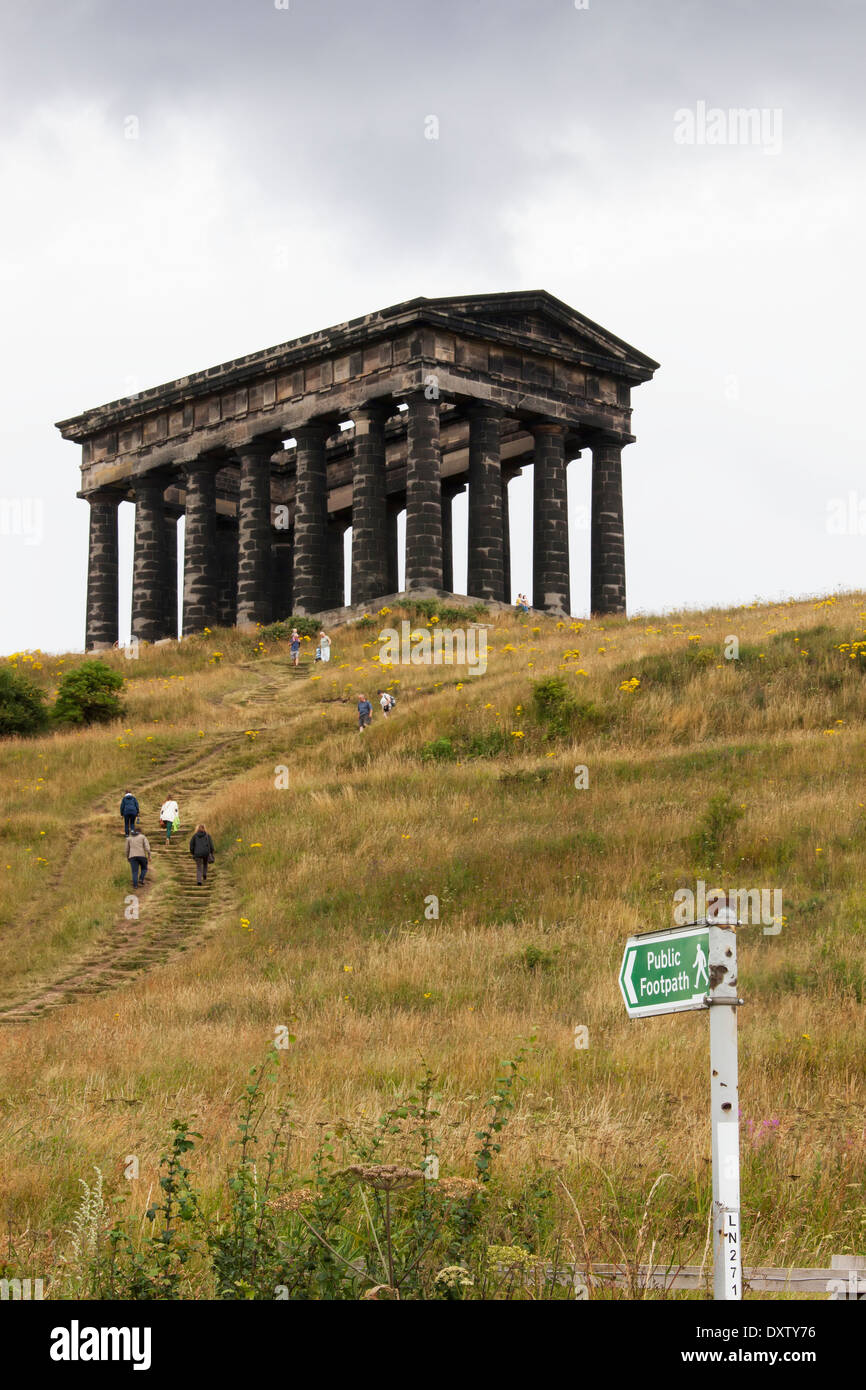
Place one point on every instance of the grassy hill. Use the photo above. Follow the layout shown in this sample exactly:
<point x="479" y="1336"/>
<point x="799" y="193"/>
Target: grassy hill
<point x="319" y="919"/>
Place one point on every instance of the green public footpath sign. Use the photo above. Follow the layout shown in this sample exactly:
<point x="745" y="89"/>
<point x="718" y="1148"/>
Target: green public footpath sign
<point x="666" y="972"/>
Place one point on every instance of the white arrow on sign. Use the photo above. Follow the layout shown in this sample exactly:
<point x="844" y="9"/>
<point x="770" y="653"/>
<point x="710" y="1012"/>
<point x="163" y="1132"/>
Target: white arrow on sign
<point x="629" y="987"/>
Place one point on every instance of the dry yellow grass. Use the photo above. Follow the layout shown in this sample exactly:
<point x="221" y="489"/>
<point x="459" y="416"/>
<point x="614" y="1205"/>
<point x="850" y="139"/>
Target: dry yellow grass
<point x="330" y="877"/>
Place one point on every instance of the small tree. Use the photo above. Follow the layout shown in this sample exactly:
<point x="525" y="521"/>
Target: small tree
<point x="22" y="705"/>
<point x="88" y="695"/>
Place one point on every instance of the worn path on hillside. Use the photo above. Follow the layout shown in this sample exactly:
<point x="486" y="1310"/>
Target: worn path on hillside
<point x="174" y="912"/>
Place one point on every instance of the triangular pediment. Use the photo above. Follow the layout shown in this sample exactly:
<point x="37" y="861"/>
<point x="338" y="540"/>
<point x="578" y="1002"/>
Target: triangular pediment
<point x="539" y="315"/>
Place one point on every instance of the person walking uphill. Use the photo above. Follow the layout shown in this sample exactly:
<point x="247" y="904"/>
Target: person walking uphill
<point x="169" y="814"/>
<point x="295" y="646"/>
<point x="365" y="713"/>
<point x="138" y="854"/>
<point x="201" y="849"/>
<point x="129" y="811"/>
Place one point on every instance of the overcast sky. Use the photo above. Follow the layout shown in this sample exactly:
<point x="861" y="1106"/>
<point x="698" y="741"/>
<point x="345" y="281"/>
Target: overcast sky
<point x="282" y="181"/>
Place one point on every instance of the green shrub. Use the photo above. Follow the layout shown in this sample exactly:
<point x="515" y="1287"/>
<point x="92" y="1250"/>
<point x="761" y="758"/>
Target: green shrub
<point x="561" y="713"/>
<point x="22" y="705"/>
<point x="714" y="826"/>
<point x="486" y="745"/>
<point x="536" y="958"/>
<point x="88" y="694"/>
<point x="426" y="608"/>
<point x="438" y="750"/>
<point x="554" y="703"/>
<point x="282" y="631"/>
<point x="448" y="749"/>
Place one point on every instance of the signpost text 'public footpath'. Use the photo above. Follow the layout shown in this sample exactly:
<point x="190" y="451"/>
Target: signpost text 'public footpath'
<point x="695" y="967"/>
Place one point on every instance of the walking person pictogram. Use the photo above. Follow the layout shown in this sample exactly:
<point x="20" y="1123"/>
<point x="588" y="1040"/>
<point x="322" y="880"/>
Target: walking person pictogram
<point x="699" y="965"/>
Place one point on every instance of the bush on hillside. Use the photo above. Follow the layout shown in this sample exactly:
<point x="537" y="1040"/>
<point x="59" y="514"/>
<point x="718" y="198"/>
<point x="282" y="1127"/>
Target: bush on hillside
<point x="714" y="827"/>
<point x="22" y="705"/>
<point x="560" y="712"/>
<point x="88" y="694"/>
<point x="439" y="750"/>
<point x="282" y="631"/>
<point x="449" y="749"/>
<point x="423" y="609"/>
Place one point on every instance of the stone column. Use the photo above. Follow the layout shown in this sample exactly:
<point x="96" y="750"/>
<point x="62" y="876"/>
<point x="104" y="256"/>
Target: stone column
<point x="396" y="502"/>
<point x="311" y="519"/>
<point x="227" y="570"/>
<point x="254" y="533"/>
<point x="423" y="496"/>
<point x="169" y="597"/>
<point x="101" y="630"/>
<point x="150" y="560"/>
<point x="485" y="572"/>
<point x="335" y="572"/>
<point x="281" y="573"/>
<point x="369" y="506"/>
<point x="199" y="564"/>
<point x="607" y="542"/>
<point x="506" y="595"/>
<point x="550" y="568"/>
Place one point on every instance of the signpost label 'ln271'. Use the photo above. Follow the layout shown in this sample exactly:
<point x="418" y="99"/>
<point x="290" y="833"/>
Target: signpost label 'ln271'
<point x="666" y="972"/>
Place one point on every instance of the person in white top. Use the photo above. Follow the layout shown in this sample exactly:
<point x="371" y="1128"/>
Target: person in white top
<point x="324" y="647"/>
<point x="168" y="814"/>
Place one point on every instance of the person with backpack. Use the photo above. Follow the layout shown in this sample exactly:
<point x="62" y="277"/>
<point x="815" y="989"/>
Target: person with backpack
<point x="295" y="646"/>
<point x="169" y="815"/>
<point x="387" y="701"/>
<point x="202" y="851"/>
<point x="138" y="854"/>
<point x="130" y="812"/>
<point x="365" y="713"/>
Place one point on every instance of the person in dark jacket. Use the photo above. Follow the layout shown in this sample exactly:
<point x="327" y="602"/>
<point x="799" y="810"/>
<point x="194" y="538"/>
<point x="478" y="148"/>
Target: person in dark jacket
<point x="129" y="811"/>
<point x="201" y="849"/>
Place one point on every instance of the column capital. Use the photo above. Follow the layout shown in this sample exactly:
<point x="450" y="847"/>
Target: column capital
<point x="105" y="496"/>
<point x="256" y="449"/>
<point x="485" y="409"/>
<point x="203" y="463"/>
<point x="598" y="439"/>
<point x="555" y="428"/>
<point x="417" y="395"/>
<point x="157" y="478"/>
<point x="381" y="408"/>
<point x="312" y="432"/>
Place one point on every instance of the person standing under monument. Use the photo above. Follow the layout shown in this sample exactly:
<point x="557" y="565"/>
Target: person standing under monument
<point x="295" y="646"/>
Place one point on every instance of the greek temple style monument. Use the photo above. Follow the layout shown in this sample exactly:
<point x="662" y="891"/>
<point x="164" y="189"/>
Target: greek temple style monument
<point x="272" y="456"/>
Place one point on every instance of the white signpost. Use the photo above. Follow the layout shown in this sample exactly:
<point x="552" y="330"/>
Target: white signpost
<point x="695" y="967"/>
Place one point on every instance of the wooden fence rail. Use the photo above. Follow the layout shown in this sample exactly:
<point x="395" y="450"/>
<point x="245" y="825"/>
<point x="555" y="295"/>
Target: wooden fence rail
<point x="844" y="1279"/>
